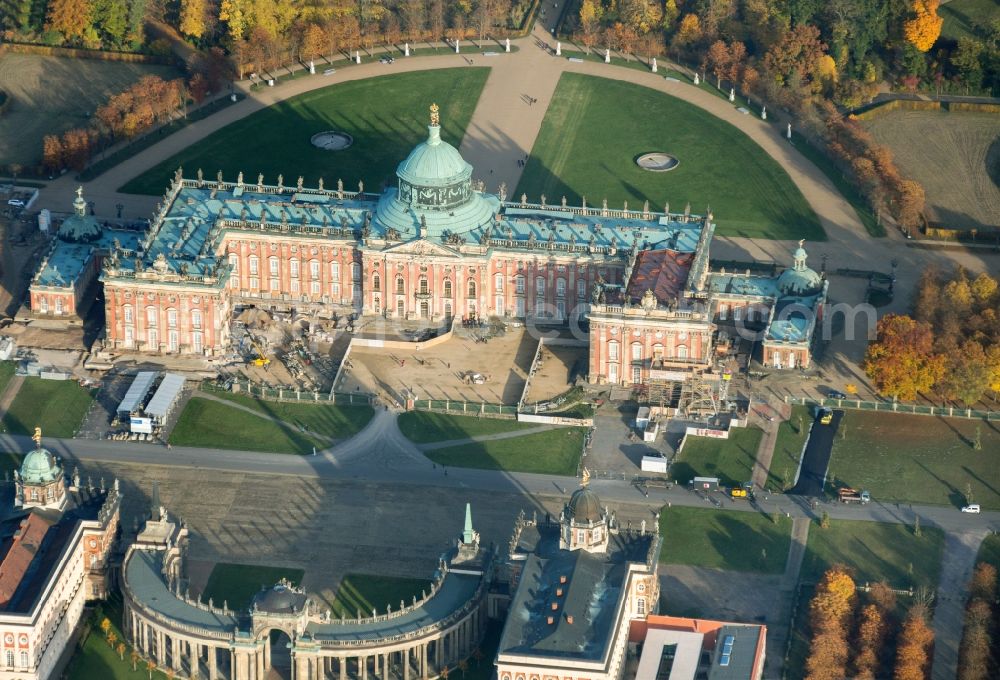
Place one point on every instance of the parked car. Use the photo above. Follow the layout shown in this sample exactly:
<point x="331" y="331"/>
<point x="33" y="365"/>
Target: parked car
<point x="16" y="203"/>
<point x="387" y="60"/>
<point x="835" y="394"/>
<point x="974" y="508"/>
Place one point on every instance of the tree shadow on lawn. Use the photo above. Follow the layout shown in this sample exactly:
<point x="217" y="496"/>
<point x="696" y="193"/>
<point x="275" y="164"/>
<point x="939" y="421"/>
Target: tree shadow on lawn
<point x="955" y="497"/>
<point x="739" y="546"/>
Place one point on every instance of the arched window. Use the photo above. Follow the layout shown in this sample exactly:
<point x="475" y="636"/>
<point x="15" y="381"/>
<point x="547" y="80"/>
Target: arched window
<point x="10" y="659"/>
<point x="657" y="352"/>
<point x="24" y="659"/>
<point x="376" y="283"/>
<point x="636" y="351"/>
<point x="682" y="352"/>
<point x="447" y="288"/>
<point x="472" y="288"/>
<point x="400" y="287"/>
<point x="127" y="312"/>
<point x="498" y="283"/>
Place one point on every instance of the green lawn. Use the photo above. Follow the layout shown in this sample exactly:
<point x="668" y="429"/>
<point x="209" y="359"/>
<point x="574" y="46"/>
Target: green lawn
<point x="96" y="660"/>
<point x="56" y="406"/>
<point x="324" y="419"/>
<point x="595" y="128"/>
<point x="876" y="551"/>
<point x="424" y="427"/>
<point x="386" y="116"/>
<point x="7" y="369"/>
<point x="365" y="592"/>
<point x="214" y="425"/>
<point x="967" y="18"/>
<point x="740" y="541"/>
<point x="555" y="452"/>
<point x="236" y="584"/>
<point x="788" y="446"/>
<point x="917" y="459"/>
<point x="731" y="460"/>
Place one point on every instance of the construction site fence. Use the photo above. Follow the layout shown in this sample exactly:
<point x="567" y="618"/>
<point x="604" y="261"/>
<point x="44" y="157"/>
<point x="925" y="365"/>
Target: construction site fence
<point x="465" y="408"/>
<point x="291" y="394"/>
<point x="895" y="407"/>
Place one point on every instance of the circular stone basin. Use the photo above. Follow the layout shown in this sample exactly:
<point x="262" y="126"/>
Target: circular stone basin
<point x="331" y="140"/>
<point x="657" y="162"/>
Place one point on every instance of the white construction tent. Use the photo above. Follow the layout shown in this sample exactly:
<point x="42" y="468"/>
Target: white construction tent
<point x="162" y="403"/>
<point x="137" y="392"/>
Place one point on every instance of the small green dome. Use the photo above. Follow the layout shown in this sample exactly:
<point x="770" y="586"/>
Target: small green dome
<point x="79" y="227"/>
<point x="39" y="467"/>
<point x="800" y="279"/>
<point x="584" y="506"/>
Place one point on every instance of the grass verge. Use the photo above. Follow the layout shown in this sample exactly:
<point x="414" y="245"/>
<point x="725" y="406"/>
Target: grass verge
<point x="739" y="541"/>
<point x="555" y="452"/>
<point x="366" y="592"/>
<point x="236" y="584"/>
<point x="56" y="406"/>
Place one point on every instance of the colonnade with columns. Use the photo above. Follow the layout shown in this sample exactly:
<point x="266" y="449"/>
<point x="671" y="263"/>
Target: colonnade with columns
<point x="233" y="656"/>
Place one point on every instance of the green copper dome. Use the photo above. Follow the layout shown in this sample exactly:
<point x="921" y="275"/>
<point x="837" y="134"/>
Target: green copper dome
<point x="434" y="176"/>
<point x="800" y="279"/>
<point x="79" y="227"/>
<point x="39" y="467"/>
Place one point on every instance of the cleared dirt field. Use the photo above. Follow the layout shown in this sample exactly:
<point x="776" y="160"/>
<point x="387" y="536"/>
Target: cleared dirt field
<point x="53" y="94"/>
<point x="558" y="366"/>
<point x="437" y="373"/>
<point x="949" y="154"/>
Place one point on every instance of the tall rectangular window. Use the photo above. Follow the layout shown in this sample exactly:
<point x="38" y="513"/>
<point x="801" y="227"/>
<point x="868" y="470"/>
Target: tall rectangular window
<point x="293" y="268"/>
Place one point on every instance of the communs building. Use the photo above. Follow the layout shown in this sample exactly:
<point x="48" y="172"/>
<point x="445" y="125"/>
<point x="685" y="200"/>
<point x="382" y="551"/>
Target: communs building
<point x="54" y="556"/>
<point x="435" y="246"/>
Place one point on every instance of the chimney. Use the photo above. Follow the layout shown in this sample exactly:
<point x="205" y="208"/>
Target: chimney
<point x="552" y="620"/>
<point x="562" y="579"/>
<point x="559" y="592"/>
<point x="555" y="606"/>
<point x="569" y="619"/>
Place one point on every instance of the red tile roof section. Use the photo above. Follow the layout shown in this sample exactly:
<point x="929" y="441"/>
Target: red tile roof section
<point x="22" y="551"/>
<point x="664" y="271"/>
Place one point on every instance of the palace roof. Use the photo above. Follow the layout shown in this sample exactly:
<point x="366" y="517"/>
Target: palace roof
<point x="583" y="621"/>
<point x="66" y="261"/>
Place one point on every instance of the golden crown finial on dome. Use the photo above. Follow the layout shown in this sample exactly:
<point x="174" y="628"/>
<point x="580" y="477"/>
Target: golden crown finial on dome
<point x="37" y="437"/>
<point x="435" y="118"/>
<point x="585" y="478"/>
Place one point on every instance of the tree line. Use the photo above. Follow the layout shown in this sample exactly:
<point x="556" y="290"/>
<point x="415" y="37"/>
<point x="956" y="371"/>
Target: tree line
<point x="851" y="635"/>
<point x="949" y="346"/>
<point x="976" y="660"/>
<point x="147" y="103"/>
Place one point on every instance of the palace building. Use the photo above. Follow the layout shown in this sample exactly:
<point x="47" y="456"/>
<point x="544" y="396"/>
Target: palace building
<point x="435" y="246"/>
<point x="54" y="550"/>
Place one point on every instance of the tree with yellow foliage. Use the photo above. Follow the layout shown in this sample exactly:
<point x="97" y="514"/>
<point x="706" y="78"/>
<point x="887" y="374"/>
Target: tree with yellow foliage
<point x="830" y="613"/>
<point x="923" y="28"/>
<point x="192" y="18"/>
<point x="689" y="31"/>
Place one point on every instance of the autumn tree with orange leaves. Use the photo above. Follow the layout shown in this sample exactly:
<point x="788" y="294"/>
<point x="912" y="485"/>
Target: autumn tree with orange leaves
<point x="913" y="646"/>
<point x="901" y="361"/>
<point x="830" y="613"/>
<point x="924" y="26"/>
<point x="980" y="632"/>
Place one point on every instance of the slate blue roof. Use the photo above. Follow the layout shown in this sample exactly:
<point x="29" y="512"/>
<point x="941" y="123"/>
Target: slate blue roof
<point x="739" y="284"/>
<point x="144" y="576"/>
<point x="67" y="260"/>
<point x="454" y="592"/>
<point x="793" y="319"/>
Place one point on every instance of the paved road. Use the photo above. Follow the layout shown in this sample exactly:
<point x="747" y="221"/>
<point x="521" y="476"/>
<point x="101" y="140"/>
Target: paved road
<point x="381" y="454"/>
<point x="816" y="458"/>
<point x="960" y="549"/>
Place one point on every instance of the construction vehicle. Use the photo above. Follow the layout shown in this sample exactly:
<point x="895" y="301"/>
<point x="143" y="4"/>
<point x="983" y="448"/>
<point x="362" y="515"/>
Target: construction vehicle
<point x="261" y="359"/>
<point x="825" y="416"/>
<point x="744" y="491"/>
<point x="853" y="496"/>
